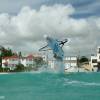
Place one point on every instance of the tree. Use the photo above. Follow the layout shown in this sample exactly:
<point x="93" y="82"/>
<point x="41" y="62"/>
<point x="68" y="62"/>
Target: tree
<point x="83" y="59"/>
<point x="19" y="68"/>
<point x="9" y="52"/>
<point x="20" y="54"/>
<point x="5" y="53"/>
<point x="0" y="61"/>
<point x="39" y="61"/>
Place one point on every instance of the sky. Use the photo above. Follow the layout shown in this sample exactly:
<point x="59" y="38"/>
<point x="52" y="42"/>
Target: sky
<point x="23" y="23"/>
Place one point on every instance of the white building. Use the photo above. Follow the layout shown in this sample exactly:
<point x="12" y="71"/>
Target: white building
<point x="11" y="62"/>
<point x="95" y="59"/>
<point x="70" y="63"/>
<point x="98" y="54"/>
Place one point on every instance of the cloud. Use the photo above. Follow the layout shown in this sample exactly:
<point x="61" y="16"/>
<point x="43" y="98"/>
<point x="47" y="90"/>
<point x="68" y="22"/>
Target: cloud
<point x="25" y="31"/>
<point x="84" y="8"/>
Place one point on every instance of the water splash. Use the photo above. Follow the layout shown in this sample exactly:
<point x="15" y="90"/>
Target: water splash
<point x="80" y="83"/>
<point x="59" y="66"/>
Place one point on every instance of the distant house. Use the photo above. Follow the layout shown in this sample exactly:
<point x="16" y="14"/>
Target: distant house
<point x="44" y="57"/>
<point x="27" y="61"/>
<point x="10" y="62"/>
<point x="70" y="63"/>
<point x="95" y="59"/>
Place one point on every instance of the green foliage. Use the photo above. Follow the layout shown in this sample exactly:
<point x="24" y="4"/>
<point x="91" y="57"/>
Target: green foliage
<point x="20" y="54"/>
<point x="1" y="69"/>
<point x="39" y="61"/>
<point x="19" y="68"/>
<point x="5" y="53"/>
<point x="83" y="59"/>
<point x="0" y="62"/>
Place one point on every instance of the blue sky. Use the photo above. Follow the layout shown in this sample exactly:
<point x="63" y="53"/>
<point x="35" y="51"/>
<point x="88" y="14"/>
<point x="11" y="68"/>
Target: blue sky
<point x="24" y="22"/>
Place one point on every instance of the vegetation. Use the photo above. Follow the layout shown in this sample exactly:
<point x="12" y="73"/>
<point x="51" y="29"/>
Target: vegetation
<point x="19" y="68"/>
<point x="83" y="59"/>
<point x="39" y="61"/>
<point x="1" y="69"/>
<point x="4" y="69"/>
<point x="5" y="53"/>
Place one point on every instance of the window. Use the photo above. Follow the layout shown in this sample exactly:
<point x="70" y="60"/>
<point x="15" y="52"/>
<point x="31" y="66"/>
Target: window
<point x="95" y="66"/>
<point x="94" y="60"/>
<point x="13" y="59"/>
<point x="98" y="50"/>
<point x="30" y="59"/>
<point x="27" y="64"/>
<point x="30" y="65"/>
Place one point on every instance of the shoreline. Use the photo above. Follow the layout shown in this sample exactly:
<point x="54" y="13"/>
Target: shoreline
<point x="3" y="73"/>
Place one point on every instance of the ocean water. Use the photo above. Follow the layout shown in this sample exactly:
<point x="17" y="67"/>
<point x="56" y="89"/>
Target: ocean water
<point x="50" y="86"/>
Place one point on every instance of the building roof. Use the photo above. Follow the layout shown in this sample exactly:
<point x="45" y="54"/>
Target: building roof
<point x="11" y="57"/>
<point x="29" y="56"/>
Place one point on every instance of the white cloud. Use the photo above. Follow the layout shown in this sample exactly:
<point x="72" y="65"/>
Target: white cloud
<point x="25" y="30"/>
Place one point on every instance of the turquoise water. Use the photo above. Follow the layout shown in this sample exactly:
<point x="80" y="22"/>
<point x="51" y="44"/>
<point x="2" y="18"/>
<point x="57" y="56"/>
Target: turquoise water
<point x="50" y="86"/>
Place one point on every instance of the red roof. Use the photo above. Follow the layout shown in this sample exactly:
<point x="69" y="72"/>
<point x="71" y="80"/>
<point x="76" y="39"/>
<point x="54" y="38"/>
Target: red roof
<point x="11" y="57"/>
<point x="30" y="56"/>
